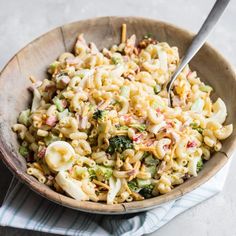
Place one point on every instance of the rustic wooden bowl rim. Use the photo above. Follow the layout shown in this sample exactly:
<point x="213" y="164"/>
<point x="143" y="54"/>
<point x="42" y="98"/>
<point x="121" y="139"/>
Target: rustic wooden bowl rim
<point x="124" y="208"/>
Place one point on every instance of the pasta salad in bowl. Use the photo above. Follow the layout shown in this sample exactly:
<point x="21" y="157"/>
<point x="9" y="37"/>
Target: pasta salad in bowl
<point x="99" y="127"/>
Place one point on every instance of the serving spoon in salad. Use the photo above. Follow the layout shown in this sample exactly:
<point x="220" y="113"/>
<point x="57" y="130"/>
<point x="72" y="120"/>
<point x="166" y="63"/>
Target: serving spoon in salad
<point x="197" y="42"/>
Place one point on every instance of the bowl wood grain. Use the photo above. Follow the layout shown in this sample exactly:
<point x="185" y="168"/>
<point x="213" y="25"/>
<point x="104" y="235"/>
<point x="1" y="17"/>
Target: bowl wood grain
<point x="37" y="55"/>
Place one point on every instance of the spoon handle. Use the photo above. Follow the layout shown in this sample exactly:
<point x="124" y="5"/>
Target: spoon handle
<point x="200" y="38"/>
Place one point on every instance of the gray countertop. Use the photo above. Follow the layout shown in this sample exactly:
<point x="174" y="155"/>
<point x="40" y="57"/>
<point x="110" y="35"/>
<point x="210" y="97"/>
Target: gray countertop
<point x="24" y="20"/>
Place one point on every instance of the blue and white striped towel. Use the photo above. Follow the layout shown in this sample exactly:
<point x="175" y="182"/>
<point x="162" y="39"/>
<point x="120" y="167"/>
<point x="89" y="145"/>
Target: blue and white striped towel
<point x="25" y="209"/>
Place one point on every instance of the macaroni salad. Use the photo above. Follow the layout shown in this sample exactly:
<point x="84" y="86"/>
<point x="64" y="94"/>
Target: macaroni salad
<point x="100" y="127"/>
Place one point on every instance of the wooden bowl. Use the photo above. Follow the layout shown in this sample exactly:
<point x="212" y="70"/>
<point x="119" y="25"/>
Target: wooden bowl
<point x="36" y="56"/>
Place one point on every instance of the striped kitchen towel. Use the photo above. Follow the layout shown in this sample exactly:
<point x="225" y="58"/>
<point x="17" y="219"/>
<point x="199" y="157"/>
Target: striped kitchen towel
<point x="25" y="209"/>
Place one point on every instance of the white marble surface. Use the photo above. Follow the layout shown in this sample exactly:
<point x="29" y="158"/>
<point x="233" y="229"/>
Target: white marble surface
<point x="23" y="20"/>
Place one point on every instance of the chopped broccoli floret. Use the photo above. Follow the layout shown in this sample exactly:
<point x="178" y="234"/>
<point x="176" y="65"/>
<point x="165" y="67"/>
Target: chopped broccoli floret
<point x="24" y="117"/>
<point x="106" y="172"/>
<point x="140" y="127"/>
<point x="133" y="185"/>
<point x="119" y="144"/>
<point x="146" y="192"/>
<point x="199" y="165"/>
<point x="152" y="170"/>
<point x="24" y="151"/>
<point x="100" y="172"/>
<point x="145" y="154"/>
<point x="196" y="127"/>
<point x="99" y="115"/>
<point x="92" y="173"/>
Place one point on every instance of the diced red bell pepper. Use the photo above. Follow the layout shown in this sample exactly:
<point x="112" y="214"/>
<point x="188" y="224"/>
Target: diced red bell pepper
<point x="41" y="153"/>
<point x="191" y="144"/>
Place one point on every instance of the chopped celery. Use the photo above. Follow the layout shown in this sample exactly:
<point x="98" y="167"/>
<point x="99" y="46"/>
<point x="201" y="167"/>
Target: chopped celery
<point x="150" y="161"/>
<point x="24" y="117"/>
<point x="140" y="127"/>
<point x="24" y="151"/>
<point x="58" y="103"/>
<point x="50" y="139"/>
<point x="198" y="105"/>
<point x="125" y="91"/>
<point x="143" y="182"/>
<point x="206" y="88"/>
<point x="81" y="170"/>
<point x="151" y="169"/>
<point x="123" y="127"/>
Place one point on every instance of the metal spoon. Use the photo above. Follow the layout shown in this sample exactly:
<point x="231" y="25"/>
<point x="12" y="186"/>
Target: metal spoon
<point x="198" y="41"/>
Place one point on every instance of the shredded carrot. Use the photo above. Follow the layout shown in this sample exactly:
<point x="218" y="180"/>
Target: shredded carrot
<point x="32" y="79"/>
<point x="137" y="196"/>
<point x="142" y="168"/>
<point x="136" y="167"/>
<point x="123" y="33"/>
<point x="127" y="188"/>
<point x="145" y="148"/>
<point x="101" y="184"/>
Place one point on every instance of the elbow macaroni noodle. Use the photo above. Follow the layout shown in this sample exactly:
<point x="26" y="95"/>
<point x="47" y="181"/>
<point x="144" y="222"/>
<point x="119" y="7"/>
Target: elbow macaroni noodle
<point x="100" y="128"/>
